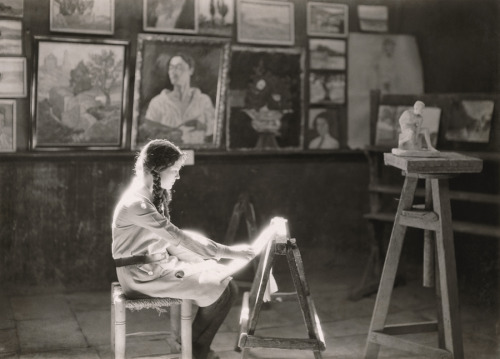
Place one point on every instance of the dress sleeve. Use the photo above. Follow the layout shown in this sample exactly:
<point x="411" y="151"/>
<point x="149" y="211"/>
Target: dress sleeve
<point x="144" y="214"/>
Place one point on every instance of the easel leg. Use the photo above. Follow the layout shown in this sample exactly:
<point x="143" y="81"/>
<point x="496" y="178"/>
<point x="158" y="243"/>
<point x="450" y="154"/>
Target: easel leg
<point x="447" y="270"/>
<point x="390" y="268"/>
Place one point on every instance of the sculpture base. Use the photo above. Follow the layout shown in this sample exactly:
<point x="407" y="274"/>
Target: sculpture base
<point x="415" y="153"/>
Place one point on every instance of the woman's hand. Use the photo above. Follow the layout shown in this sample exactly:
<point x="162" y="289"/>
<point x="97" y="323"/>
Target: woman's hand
<point x="241" y="251"/>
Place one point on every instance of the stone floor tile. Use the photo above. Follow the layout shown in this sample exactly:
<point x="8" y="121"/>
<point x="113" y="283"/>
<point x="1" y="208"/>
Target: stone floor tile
<point x="343" y="328"/>
<point x="95" y="326"/>
<point x="89" y="301"/>
<point x="9" y="344"/>
<point x="49" y="334"/>
<point x="40" y="307"/>
<point x="87" y="353"/>
<point x="6" y="315"/>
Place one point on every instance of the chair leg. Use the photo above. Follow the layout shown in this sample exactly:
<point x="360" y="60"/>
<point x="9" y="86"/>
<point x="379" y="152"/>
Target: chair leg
<point x="112" y="318"/>
<point x="186" y="329"/>
<point x="120" y="329"/>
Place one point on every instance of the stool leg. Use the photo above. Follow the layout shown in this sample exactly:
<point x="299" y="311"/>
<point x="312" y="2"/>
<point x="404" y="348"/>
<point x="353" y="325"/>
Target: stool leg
<point x="187" y="328"/>
<point x="447" y="270"/>
<point x="112" y="319"/>
<point x="119" y="324"/>
<point x="390" y="268"/>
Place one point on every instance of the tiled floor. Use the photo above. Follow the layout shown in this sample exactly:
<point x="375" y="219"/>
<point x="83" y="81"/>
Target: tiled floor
<point x="77" y="325"/>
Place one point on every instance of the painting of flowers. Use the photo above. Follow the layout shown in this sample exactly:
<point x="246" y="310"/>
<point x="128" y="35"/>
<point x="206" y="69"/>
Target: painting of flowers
<point x="265" y="99"/>
<point x="11" y="37"/>
<point x="79" y="94"/>
<point x="216" y="17"/>
<point x="82" y="16"/>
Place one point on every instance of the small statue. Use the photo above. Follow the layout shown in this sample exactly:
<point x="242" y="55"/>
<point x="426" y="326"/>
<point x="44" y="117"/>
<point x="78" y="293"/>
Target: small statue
<point x="410" y="140"/>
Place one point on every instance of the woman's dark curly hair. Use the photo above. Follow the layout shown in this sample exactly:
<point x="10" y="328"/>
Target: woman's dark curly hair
<point x="156" y="156"/>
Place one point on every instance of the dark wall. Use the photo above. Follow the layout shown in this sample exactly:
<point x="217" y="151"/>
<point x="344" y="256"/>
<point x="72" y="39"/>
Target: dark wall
<point x="55" y="209"/>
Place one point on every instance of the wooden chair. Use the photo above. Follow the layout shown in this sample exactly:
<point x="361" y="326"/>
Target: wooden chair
<point x="180" y="322"/>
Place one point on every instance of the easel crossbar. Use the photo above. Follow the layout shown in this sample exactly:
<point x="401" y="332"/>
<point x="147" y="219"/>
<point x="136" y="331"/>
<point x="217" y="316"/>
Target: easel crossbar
<point x="410" y="328"/>
<point x="253" y="341"/>
<point x="406" y="345"/>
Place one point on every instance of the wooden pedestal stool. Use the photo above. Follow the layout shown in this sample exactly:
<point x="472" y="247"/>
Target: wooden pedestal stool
<point x="434" y="217"/>
<point x="180" y="322"/>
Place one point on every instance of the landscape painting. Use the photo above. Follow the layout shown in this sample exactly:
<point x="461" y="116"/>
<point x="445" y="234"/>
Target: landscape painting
<point x="79" y="94"/>
<point x="13" y="77"/>
<point x="266" y="22"/>
<point x="12" y="8"/>
<point x="216" y="17"/>
<point x="91" y="17"/>
<point x="327" y="54"/>
<point x="11" y="37"/>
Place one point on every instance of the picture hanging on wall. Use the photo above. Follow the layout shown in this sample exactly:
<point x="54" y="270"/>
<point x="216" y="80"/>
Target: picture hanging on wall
<point x="12" y="8"/>
<point x="79" y="94"/>
<point x="13" y="77"/>
<point x="323" y="130"/>
<point x="7" y="126"/>
<point x="471" y="121"/>
<point x="11" y="42"/>
<point x="327" y="54"/>
<point x="266" y="87"/>
<point x="216" y="17"/>
<point x="266" y="22"/>
<point x="373" y="18"/>
<point x="86" y="17"/>
<point x="179" y="92"/>
<point x="170" y="16"/>
<point x="327" y="19"/>
<point x="326" y="87"/>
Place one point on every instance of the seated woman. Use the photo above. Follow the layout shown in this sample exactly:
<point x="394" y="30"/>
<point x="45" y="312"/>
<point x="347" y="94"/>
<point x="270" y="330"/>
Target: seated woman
<point x="155" y="258"/>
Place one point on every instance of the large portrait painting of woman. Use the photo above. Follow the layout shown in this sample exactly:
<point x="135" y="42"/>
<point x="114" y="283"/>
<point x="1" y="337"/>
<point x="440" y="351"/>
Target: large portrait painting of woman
<point x="180" y="87"/>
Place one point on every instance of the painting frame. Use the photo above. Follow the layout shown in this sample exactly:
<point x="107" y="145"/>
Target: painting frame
<point x="202" y="129"/>
<point x="186" y="21"/>
<point x="11" y="37"/>
<point x="275" y="84"/>
<point x="316" y="11"/>
<point x="89" y="112"/>
<point x="84" y="23"/>
<point x="11" y="117"/>
<point x="256" y="8"/>
<point x="18" y="88"/>
<point x="13" y="9"/>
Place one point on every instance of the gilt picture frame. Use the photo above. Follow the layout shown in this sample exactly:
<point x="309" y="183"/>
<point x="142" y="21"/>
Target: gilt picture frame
<point x="165" y="65"/>
<point x="79" y="94"/>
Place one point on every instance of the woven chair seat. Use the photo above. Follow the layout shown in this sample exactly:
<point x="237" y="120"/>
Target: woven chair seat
<point x="144" y="303"/>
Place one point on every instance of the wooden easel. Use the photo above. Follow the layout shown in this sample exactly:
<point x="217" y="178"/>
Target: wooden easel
<point x="253" y="301"/>
<point x="243" y="207"/>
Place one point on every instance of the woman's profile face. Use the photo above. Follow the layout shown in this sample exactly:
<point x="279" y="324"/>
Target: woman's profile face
<point x="322" y="126"/>
<point x="170" y="175"/>
<point x="179" y="71"/>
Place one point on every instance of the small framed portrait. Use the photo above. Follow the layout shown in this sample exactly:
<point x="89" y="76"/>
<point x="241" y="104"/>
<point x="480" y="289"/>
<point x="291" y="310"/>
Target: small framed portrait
<point x="7" y="126"/>
<point x="171" y="16"/>
<point x="179" y="92"/>
<point x="216" y="18"/>
<point x="11" y="37"/>
<point x="82" y="16"/>
<point x="323" y="130"/>
<point x="13" y="77"/>
<point x="327" y="19"/>
<point x="79" y="94"/>
<point x="266" y="22"/>
<point x="327" y="54"/>
<point x="266" y="99"/>
<point x="12" y="8"/>
<point x="326" y="87"/>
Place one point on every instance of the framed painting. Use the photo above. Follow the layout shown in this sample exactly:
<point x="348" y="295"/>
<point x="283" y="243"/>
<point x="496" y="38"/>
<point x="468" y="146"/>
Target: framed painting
<point x="471" y="121"/>
<point x="78" y="97"/>
<point x="323" y="130"/>
<point x="326" y="88"/>
<point x="327" y="54"/>
<point x="327" y="19"/>
<point x="11" y="37"/>
<point x="13" y="77"/>
<point x="12" y="8"/>
<point x="266" y="99"/>
<point x="180" y="90"/>
<point x="216" y="18"/>
<point x="266" y="22"/>
<point x="171" y="16"/>
<point x="87" y="17"/>
<point x="373" y="18"/>
<point x="7" y="126"/>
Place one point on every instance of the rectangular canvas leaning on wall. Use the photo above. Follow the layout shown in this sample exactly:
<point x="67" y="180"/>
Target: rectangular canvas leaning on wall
<point x="79" y="94"/>
<point x="167" y="65"/>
